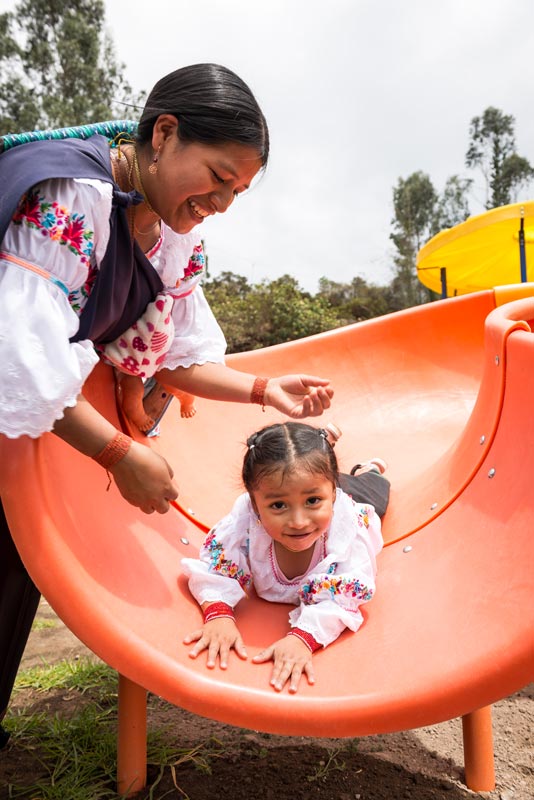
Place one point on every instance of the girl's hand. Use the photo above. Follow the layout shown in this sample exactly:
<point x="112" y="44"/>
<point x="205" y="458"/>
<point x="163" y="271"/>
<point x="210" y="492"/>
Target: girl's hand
<point x="145" y="479"/>
<point x="291" y="658"/>
<point x="218" y="637"/>
<point x="299" y="396"/>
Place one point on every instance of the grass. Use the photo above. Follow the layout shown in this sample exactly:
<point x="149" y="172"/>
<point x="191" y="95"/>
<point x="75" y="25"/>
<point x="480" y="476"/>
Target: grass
<point x="73" y="754"/>
<point x="42" y="624"/>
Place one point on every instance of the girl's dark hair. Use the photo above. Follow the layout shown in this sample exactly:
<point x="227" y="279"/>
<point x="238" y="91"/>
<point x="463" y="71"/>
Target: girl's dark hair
<point x="284" y="448"/>
<point x="212" y="104"/>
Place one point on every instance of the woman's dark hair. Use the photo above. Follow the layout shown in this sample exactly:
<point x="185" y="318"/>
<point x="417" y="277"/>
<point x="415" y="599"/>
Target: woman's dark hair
<point x="213" y="106"/>
<point x="285" y="448"/>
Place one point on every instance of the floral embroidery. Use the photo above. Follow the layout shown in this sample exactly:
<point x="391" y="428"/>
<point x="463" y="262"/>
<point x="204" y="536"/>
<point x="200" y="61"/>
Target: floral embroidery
<point x="218" y="563"/>
<point x="67" y="229"/>
<point x="310" y="592"/>
<point x="55" y="222"/>
<point x="363" y="517"/>
<point x="196" y="263"/>
<point x="78" y="298"/>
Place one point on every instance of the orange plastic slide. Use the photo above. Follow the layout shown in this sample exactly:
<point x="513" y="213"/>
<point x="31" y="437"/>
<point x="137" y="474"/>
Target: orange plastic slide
<point x="444" y="393"/>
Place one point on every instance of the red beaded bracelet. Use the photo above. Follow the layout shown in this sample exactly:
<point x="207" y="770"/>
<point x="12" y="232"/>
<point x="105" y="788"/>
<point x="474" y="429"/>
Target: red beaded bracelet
<point x="257" y="394"/>
<point x="215" y="610"/>
<point x="305" y="637"/>
<point x="114" y="451"/>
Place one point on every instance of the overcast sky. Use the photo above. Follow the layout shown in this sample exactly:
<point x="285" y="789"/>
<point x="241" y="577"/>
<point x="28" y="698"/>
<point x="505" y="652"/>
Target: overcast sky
<point x="357" y="93"/>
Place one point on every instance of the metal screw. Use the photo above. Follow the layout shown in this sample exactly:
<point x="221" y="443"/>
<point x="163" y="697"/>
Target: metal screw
<point x="482" y="439"/>
<point x="190" y="511"/>
<point x="184" y="540"/>
<point x="407" y="548"/>
<point x="491" y="473"/>
<point x="433" y="506"/>
<point x="497" y="360"/>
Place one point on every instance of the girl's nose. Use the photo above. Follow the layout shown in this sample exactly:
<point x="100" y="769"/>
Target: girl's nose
<point x="299" y="519"/>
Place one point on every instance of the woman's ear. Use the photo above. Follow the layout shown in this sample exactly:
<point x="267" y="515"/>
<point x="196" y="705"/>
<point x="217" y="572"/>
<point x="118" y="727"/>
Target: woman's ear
<point x="165" y="127"/>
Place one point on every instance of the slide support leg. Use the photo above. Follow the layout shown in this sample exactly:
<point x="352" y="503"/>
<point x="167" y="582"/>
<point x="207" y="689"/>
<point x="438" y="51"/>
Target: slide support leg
<point x="478" y="750"/>
<point x="131" y="740"/>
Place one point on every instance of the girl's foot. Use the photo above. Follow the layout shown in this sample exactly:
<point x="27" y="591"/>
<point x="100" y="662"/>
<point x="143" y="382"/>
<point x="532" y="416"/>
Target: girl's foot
<point x="373" y="465"/>
<point x="187" y="403"/>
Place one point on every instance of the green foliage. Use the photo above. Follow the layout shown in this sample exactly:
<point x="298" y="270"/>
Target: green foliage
<point x="58" y="66"/>
<point x="492" y="150"/>
<point x="415" y="204"/>
<point x="357" y="300"/>
<point x="452" y="206"/>
<point x="266" y="313"/>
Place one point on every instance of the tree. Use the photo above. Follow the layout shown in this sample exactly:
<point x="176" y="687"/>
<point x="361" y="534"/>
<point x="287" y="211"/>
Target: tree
<point x="355" y="301"/>
<point x="58" y="66"/>
<point x="452" y="205"/>
<point x="266" y="313"/>
<point x="282" y="312"/>
<point x="228" y="295"/>
<point x="492" y="150"/>
<point x="414" y="204"/>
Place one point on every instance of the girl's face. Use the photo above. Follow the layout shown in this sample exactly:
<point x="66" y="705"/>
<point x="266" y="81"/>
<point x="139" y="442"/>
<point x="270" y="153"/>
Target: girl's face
<point x="295" y="510"/>
<point x="193" y="180"/>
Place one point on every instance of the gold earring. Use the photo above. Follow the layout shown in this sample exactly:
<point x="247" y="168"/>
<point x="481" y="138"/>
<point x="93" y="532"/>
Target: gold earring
<point x="153" y="168"/>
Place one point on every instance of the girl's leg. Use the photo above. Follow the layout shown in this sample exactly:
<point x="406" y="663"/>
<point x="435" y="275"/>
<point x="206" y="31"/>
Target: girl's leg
<point x="19" y="599"/>
<point x="131" y="394"/>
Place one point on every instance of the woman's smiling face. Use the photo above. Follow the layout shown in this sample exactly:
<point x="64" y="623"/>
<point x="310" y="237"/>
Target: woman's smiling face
<point x="195" y="180"/>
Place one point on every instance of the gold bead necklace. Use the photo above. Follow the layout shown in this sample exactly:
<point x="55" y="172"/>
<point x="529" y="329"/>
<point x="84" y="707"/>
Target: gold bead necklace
<point x="135" y="165"/>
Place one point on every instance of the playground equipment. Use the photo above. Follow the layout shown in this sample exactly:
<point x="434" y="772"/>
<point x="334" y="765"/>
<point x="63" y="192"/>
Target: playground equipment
<point x="484" y="251"/>
<point x="442" y="392"/>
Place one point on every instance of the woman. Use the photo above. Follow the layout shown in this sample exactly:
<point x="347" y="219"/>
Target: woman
<point x="76" y="222"/>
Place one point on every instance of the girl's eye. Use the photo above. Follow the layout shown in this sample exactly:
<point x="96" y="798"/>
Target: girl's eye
<point x="313" y="501"/>
<point x="217" y="177"/>
<point x="278" y="506"/>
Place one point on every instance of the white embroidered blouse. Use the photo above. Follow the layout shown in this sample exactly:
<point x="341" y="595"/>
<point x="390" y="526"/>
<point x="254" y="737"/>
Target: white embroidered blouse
<point x="48" y="260"/>
<point x="238" y="553"/>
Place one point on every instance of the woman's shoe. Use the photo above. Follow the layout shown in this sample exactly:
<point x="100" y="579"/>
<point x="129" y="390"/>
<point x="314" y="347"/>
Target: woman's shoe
<point x="4" y="737"/>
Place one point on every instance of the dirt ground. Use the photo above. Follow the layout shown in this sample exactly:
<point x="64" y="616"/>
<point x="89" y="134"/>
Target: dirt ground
<point x="423" y="764"/>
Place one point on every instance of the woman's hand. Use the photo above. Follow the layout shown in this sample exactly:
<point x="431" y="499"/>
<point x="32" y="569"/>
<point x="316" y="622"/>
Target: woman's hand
<point x="299" y="396"/>
<point x="142" y="476"/>
<point x="145" y="479"/>
<point x="291" y="658"/>
<point x="218" y="637"/>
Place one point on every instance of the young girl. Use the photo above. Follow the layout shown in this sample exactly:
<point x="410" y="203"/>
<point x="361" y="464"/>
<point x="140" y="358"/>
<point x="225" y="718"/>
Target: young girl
<point x="299" y="539"/>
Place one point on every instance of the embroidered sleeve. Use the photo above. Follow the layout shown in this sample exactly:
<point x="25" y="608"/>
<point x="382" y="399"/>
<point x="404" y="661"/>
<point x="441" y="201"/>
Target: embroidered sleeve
<point x="222" y="571"/>
<point x="49" y="254"/>
<point x="63" y="226"/>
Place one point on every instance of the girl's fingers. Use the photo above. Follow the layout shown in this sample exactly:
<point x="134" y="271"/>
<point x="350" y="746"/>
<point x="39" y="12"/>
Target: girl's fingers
<point x="295" y="678"/>
<point x="265" y="655"/>
<point x="280" y="674"/>
<point x="240" y="648"/>
<point x="194" y="636"/>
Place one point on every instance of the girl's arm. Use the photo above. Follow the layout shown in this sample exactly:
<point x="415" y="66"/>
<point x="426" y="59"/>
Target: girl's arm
<point x="218" y="635"/>
<point x="297" y="396"/>
<point x="218" y="580"/>
<point x="142" y="476"/>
